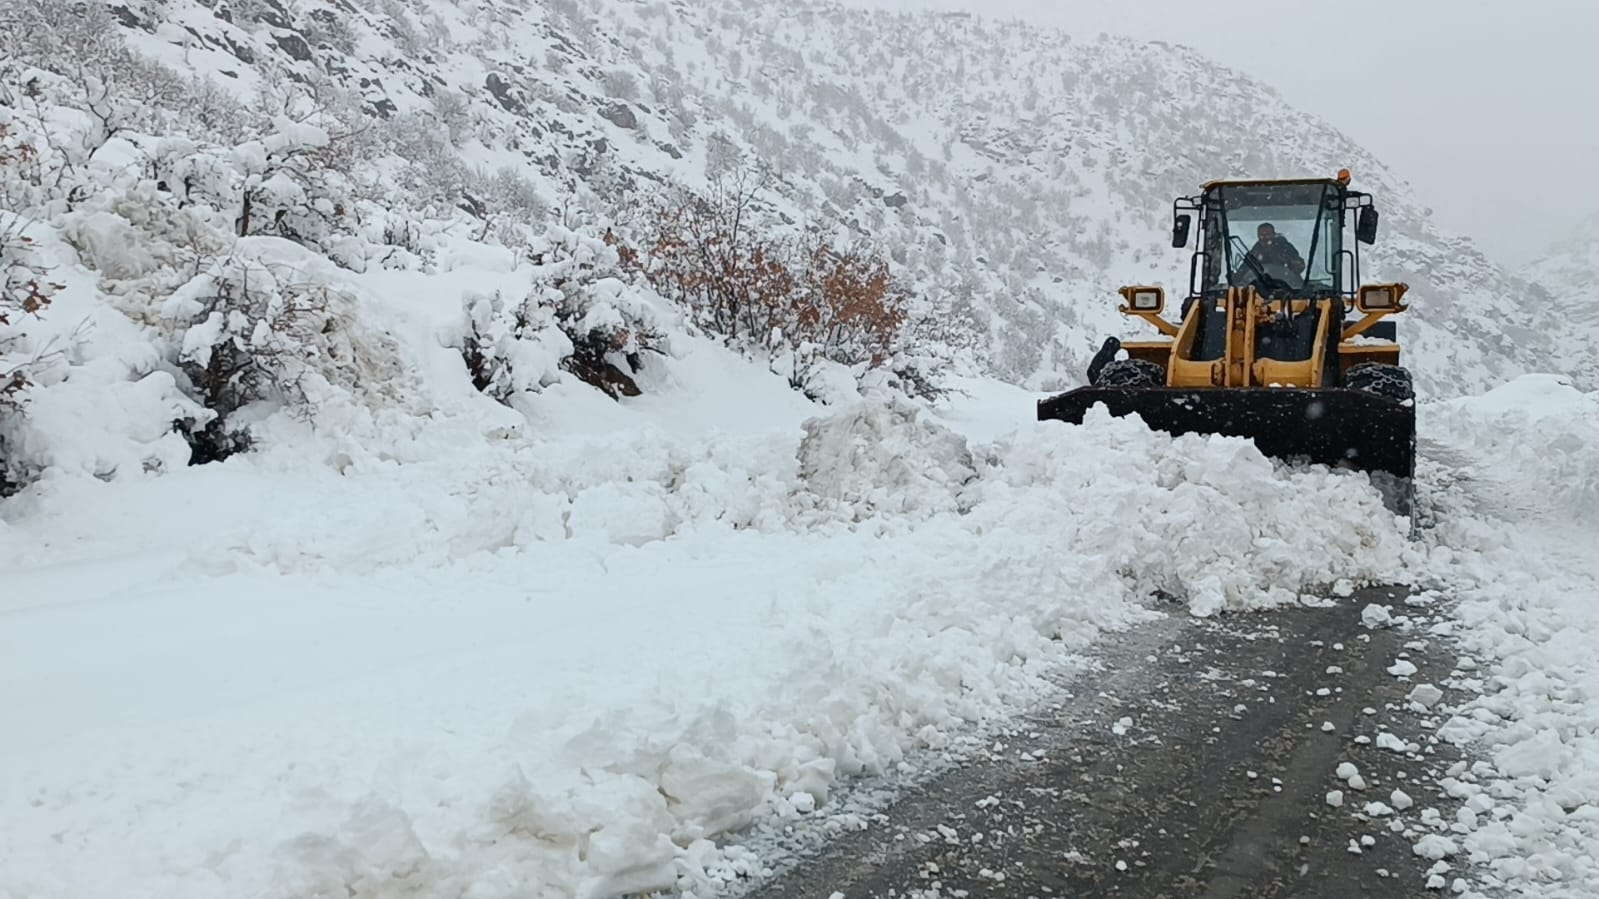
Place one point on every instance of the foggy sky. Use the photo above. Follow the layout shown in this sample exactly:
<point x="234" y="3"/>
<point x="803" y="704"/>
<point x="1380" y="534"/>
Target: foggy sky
<point x="1490" y="111"/>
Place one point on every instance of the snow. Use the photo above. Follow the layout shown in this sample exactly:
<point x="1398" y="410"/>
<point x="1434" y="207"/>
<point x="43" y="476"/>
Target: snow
<point x="1374" y="616"/>
<point x="408" y="663"/>
<point x="387" y="649"/>
<point x="1435" y="846"/>
<point x="1520" y="524"/>
<point x="1402" y="668"/>
<point x="394" y="649"/>
<point x="423" y="643"/>
<point x="1426" y="695"/>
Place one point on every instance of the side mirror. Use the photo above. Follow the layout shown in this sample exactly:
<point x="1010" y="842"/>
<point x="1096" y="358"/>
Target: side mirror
<point x="1179" y="230"/>
<point x="1366" y="224"/>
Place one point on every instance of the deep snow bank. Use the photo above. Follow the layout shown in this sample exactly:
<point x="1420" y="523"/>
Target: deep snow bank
<point x="1519" y="530"/>
<point x="574" y="657"/>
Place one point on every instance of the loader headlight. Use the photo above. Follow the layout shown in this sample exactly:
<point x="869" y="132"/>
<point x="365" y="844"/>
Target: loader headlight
<point x="1144" y="299"/>
<point x="1380" y="297"/>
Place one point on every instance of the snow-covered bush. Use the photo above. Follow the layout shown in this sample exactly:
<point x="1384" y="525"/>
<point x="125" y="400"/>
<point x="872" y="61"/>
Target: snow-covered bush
<point x="23" y="288"/>
<point x="24" y="291"/>
<point x="67" y="70"/>
<point x="272" y="324"/>
<point x="582" y="314"/>
<point x="293" y="182"/>
<point x="512" y="348"/>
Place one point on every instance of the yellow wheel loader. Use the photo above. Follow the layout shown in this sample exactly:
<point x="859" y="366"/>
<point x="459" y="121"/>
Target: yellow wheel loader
<point x="1277" y="340"/>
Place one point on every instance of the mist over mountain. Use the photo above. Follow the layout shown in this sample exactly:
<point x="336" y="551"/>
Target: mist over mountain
<point x="1570" y="269"/>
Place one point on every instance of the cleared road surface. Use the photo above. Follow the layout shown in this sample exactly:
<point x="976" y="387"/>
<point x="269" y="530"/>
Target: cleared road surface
<point x="1196" y="763"/>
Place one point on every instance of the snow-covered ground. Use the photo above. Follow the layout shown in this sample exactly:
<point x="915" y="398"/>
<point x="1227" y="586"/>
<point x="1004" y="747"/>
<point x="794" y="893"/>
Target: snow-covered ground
<point x="551" y="659"/>
<point x="425" y="644"/>
<point x="472" y="653"/>
<point x="1519" y="516"/>
<point x="478" y="665"/>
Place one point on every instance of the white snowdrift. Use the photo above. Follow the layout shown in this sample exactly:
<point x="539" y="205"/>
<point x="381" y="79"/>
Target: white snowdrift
<point x="473" y="662"/>
<point x="1518" y="521"/>
<point x="102" y="403"/>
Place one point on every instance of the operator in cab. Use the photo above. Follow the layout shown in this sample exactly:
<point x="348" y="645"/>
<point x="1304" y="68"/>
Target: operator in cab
<point x="1274" y="251"/>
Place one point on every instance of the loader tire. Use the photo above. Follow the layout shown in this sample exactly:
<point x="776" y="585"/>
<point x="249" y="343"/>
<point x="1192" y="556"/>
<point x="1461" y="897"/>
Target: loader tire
<point x="1131" y="373"/>
<point x="1389" y="381"/>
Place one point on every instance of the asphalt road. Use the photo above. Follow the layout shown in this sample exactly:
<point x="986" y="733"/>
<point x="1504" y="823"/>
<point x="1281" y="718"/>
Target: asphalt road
<point x="1196" y="762"/>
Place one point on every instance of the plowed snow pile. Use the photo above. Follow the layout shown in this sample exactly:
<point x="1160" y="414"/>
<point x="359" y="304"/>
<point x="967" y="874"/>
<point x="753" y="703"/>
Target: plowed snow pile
<point x="468" y="662"/>
<point x="1518" y="516"/>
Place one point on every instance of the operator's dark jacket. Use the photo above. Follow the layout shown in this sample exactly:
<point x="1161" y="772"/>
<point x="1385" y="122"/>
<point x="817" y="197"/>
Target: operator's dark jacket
<point x="1280" y="253"/>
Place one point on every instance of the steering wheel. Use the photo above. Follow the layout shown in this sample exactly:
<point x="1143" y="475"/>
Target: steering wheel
<point x="1261" y="276"/>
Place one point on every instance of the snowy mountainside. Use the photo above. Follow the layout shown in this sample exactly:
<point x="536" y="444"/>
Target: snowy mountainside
<point x="1570" y="270"/>
<point x="1019" y="175"/>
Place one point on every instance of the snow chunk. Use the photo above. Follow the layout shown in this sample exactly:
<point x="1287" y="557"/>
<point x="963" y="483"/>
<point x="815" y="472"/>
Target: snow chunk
<point x="1539" y="755"/>
<point x="1435" y="846"/>
<point x="1402" y="668"/>
<point x="1426" y="695"/>
<point x="1375" y="616"/>
<point x="1388" y="740"/>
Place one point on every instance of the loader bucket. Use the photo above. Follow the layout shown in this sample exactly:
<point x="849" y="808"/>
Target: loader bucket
<point x="1337" y="427"/>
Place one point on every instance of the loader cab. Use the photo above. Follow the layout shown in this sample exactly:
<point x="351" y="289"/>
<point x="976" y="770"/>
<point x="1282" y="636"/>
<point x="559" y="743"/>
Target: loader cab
<point x="1310" y="217"/>
<point x="1285" y="243"/>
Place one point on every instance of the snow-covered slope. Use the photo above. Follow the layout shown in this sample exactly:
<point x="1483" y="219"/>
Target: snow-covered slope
<point x="1570" y="272"/>
<point x="1020" y="174"/>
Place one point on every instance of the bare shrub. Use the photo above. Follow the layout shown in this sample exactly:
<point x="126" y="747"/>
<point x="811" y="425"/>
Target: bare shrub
<point x="507" y="202"/>
<point x="620" y="84"/>
<point x="801" y="301"/>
